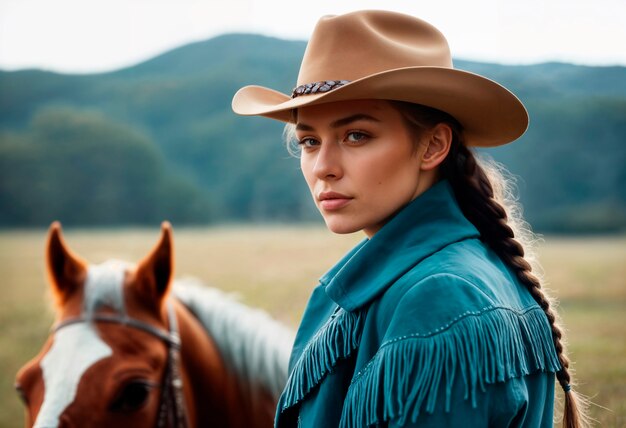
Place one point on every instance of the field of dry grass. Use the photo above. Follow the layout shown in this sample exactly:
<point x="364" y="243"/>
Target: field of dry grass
<point x="276" y="267"/>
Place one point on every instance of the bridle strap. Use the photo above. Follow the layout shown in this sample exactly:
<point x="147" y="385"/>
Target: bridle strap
<point x="169" y="338"/>
<point x="172" y="396"/>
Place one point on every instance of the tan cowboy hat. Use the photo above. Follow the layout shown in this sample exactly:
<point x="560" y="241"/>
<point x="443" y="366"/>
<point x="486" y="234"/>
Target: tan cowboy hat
<point x="388" y="55"/>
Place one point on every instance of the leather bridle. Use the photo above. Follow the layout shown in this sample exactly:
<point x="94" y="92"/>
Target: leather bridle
<point x="172" y="404"/>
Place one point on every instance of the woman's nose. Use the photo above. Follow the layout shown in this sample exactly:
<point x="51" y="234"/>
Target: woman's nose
<point x="328" y="162"/>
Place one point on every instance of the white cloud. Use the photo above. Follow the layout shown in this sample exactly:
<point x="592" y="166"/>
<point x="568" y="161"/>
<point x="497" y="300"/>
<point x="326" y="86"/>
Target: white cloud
<point x="95" y="35"/>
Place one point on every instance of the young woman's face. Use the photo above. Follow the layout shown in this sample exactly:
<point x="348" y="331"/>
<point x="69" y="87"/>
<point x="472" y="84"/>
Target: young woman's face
<point x="360" y="162"/>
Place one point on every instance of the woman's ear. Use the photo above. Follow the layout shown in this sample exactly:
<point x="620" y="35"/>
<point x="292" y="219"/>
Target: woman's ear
<point x="439" y="140"/>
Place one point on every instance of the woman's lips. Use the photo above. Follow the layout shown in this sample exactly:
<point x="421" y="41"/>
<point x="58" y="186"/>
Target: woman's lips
<point x="331" y="201"/>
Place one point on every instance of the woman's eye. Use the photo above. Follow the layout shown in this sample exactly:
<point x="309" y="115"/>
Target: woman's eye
<point x="132" y="397"/>
<point x="308" y="142"/>
<point x="356" y="137"/>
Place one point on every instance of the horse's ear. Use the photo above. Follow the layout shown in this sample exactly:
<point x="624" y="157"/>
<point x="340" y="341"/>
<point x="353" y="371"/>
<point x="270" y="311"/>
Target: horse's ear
<point x="155" y="271"/>
<point x="66" y="270"/>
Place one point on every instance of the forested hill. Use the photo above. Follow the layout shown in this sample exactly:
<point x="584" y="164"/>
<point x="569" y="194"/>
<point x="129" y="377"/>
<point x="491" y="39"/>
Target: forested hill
<point x="158" y="140"/>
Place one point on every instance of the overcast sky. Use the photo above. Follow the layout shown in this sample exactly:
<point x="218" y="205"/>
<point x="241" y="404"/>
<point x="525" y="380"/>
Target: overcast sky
<point x="81" y="36"/>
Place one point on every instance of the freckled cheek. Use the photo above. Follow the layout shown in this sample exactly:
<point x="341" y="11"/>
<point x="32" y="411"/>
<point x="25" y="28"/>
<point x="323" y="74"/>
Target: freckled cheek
<point x="380" y="173"/>
<point x="390" y="180"/>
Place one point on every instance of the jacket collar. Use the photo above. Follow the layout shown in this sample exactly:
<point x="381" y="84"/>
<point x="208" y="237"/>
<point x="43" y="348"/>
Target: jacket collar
<point x="424" y="226"/>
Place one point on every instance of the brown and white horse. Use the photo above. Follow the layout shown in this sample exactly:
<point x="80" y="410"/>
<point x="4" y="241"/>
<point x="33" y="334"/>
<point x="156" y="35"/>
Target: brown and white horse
<point x="124" y="352"/>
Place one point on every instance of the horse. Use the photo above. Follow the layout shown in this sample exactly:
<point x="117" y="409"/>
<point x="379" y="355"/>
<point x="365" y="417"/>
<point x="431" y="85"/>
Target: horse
<point x="130" y="347"/>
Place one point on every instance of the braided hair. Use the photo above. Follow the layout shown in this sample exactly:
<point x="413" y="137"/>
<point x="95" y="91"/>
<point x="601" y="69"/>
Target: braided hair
<point x="479" y="199"/>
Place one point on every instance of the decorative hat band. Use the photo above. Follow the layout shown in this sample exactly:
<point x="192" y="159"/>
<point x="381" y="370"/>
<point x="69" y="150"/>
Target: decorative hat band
<point x="315" y="87"/>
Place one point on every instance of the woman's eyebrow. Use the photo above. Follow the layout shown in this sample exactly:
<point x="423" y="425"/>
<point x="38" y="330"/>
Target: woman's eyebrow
<point x="340" y="122"/>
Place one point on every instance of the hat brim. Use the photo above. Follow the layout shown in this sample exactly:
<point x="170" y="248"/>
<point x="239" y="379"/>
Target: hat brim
<point x="489" y="113"/>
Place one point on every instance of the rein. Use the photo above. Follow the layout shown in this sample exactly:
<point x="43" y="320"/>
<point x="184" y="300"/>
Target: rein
<point x="172" y="403"/>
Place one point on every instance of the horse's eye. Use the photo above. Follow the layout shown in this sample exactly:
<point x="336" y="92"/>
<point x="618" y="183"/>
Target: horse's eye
<point x="132" y="397"/>
<point x="21" y="393"/>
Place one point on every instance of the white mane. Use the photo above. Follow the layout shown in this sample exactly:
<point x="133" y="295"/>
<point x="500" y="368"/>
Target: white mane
<point x="105" y="287"/>
<point x="252" y="344"/>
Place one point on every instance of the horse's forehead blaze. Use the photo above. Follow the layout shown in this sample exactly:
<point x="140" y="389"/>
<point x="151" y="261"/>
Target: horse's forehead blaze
<point x="75" y="349"/>
<point x="78" y="347"/>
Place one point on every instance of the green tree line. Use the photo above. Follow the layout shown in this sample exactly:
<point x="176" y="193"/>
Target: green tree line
<point x="158" y="141"/>
<point x="84" y="169"/>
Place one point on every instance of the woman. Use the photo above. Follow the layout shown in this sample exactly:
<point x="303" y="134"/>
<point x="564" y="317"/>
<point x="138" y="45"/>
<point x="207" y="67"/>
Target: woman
<point x="435" y="319"/>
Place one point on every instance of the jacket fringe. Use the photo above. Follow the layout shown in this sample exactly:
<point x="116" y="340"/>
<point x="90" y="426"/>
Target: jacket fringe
<point x="336" y="340"/>
<point x="485" y="347"/>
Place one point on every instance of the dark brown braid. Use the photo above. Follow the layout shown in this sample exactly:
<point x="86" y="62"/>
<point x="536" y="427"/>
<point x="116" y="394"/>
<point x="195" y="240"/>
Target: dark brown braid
<point x="477" y="200"/>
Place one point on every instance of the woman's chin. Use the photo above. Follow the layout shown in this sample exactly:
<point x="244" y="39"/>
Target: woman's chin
<point x="342" y="227"/>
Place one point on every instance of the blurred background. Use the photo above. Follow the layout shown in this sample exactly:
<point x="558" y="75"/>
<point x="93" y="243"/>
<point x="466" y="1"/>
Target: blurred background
<point x="116" y="115"/>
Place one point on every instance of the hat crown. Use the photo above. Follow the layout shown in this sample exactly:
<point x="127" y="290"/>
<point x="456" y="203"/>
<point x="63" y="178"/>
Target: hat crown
<point x="359" y="44"/>
<point x="391" y="56"/>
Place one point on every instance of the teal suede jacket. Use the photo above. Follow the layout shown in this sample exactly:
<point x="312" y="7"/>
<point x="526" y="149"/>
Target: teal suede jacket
<point x="421" y="325"/>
